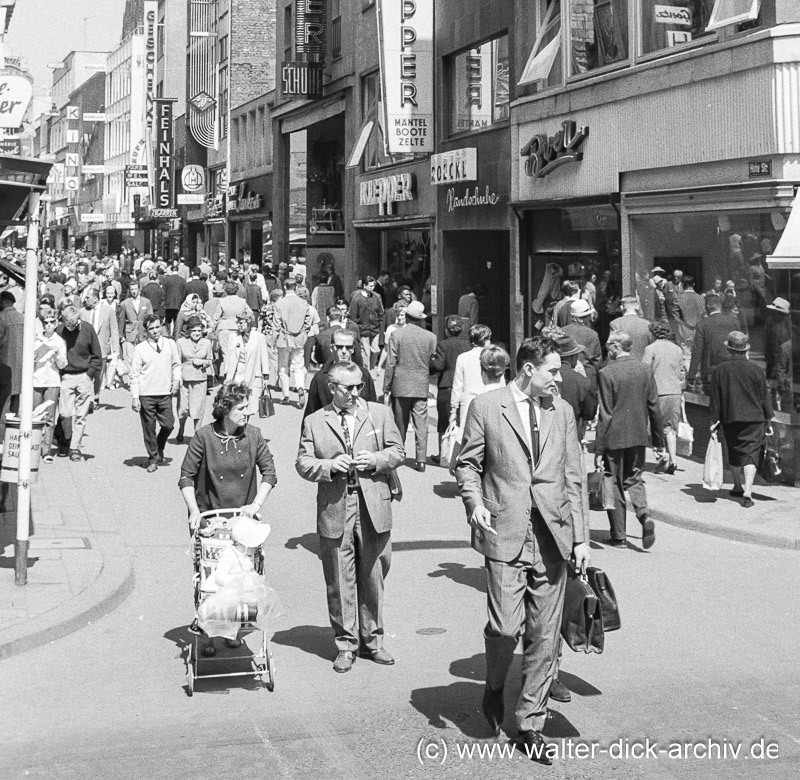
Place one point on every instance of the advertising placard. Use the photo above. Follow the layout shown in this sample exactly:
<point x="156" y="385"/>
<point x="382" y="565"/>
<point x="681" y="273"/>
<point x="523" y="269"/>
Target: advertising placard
<point x="15" y="97"/>
<point x="164" y="154"/>
<point x="405" y="39"/>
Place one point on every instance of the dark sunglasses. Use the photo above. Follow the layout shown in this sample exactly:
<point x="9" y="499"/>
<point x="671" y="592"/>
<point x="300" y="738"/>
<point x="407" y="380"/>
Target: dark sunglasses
<point x="352" y="388"/>
<point x="344" y="346"/>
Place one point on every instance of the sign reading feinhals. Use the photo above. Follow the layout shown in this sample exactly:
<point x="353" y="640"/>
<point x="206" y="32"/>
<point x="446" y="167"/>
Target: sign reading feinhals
<point x="164" y="153"/>
<point x="405" y="40"/>
<point x="386" y="190"/>
<point x="456" y="165"/>
<point x="15" y="97"/>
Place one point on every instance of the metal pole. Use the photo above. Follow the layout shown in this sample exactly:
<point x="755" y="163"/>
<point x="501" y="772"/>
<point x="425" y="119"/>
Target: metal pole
<point x="26" y="394"/>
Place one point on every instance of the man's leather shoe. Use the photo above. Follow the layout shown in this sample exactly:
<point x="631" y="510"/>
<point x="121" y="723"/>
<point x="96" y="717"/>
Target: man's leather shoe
<point x="151" y="467"/>
<point x="379" y="656"/>
<point x="344" y="661"/>
<point x="493" y="709"/>
<point x="420" y="465"/>
<point x="559" y="691"/>
<point x="648" y="532"/>
<point x="534" y="746"/>
<point x="436" y="460"/>
<point x="75" y="456"/>
<point x="611" y="542"/>
<point x="161" y="459"/>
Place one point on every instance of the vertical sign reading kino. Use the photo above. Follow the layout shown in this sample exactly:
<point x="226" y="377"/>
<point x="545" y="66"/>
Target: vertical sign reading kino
<point x="405" y="38"/>
<point x="165" y="149"/>
<point x="303" y="76"/>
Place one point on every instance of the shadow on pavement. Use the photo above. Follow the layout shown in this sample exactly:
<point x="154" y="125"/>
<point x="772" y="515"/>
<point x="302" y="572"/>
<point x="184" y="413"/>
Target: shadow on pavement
<point x="457" y="705"/>
<point x="471" y="576"/>
<point x="558" y="727"/>
<point x="314" y="640"/>
<point x="446" y="490"/>
<point x="577" y="684"/>
<point x="310" y="543"/>
<point x="140" y="462"/>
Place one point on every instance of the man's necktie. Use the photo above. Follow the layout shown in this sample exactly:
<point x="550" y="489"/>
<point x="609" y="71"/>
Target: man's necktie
<point x="534" y="432"/>
<point x="351" y="474"/>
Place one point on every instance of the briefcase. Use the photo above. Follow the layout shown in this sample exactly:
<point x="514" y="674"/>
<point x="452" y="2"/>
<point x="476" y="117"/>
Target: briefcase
<point x="601" y="490"/>
<point x="582" y="619"/>
<point x="604" y="590"/>
<point x="770" y="467"/>
<point x="266" y="407"/>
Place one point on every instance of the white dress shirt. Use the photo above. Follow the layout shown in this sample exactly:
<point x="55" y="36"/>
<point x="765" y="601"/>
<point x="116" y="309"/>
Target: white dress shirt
<point x="523" y="401"/>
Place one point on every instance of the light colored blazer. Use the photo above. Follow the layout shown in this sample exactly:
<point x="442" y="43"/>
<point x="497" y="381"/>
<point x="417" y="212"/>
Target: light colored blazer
<point x="323" y="439"/>
<point x="107" y="328"/>
<point x="256" y="362"/>
<point x="130" y="323"/>
<point x="494" y="471"/>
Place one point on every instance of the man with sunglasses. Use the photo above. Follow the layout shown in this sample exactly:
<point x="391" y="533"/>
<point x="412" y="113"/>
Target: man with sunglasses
<point x="343" y="350"/>
<point x="349" y="448"/>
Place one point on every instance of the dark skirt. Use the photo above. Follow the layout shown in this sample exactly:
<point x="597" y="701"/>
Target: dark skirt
<point x="744" y="441"/>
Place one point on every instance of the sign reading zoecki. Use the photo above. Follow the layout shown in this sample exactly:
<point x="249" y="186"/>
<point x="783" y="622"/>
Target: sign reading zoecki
<point x="545" y="153"/>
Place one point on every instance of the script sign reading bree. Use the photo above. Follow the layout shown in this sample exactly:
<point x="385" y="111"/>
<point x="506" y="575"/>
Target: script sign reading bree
<point x="15" y="97"/>
<point x="405" y="41"/>
<point x="546" y="153"/>
<point x="303" y="76"/>
<point x="386" y="190"/>
<point x="164" y="153"/>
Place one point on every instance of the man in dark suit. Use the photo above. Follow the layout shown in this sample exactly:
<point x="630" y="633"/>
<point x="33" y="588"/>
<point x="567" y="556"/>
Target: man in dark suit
<point x="197" y="286"/>
<point x="343" y="350"/>
<point x="638" y="328"/>
<point x="522" y="483"/>
<point x="443" y="363"/>
<point x="408" y="366"/>
<point x="174" y="295"/>
<point x="322" y="351"/>
<point x="709" y="349"/>
<point x="575" y="389"/>
<point x="154" y="293"/>
<point x="628" y="399"/>
<point x="348" y="448"/>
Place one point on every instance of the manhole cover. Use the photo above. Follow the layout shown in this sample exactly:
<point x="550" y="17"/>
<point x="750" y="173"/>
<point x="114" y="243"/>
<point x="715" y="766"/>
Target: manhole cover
<point x="432" y="631"/>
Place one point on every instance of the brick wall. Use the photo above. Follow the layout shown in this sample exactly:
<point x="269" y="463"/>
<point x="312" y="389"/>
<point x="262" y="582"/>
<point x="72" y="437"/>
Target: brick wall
<point x="252" y="49"/>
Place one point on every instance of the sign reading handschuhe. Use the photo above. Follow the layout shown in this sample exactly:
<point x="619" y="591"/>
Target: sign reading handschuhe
<point x="405" y="34"/>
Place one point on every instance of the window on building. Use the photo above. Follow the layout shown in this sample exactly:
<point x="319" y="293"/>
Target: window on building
<point x="223" y="102"/>
<point x="336" y="29"/>
<point x="288" y="33"/>
<point x="543" y="68"/>
<point x="223" y="48"/>
<point x="666" y="26"/>
<point x="598" y="32"/>
<point x="729" y="12"/>
<point x="479" y="89"/>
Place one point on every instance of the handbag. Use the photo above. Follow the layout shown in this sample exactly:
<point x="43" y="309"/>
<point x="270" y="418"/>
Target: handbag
<point x="712" y="468"/>
<point x="266" y="407"/>
<point x="770" y="466"/>
<point x="604" y="591"/>
<point x="685" y="434"/>
<point x="582" y="618"/>
<point x="601" y="490"/>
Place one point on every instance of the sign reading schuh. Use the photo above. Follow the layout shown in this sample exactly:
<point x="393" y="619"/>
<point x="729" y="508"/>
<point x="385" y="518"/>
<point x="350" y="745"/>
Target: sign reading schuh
<point x="405" y="39"/>
<point x="303" y="76"/>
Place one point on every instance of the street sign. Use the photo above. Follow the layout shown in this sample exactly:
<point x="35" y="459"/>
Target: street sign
<point x="93" y="169"/>
<point x="93" y="217"/>
<point x="88" y="116"/>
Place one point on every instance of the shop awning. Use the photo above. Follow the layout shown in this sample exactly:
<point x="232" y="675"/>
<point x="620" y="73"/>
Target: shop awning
<point x="787" y="253"/>
<point x="18" y="177"/>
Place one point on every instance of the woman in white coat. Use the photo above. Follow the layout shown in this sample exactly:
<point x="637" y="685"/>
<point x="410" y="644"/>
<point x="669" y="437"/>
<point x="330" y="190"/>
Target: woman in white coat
<point x="248" y="359"/>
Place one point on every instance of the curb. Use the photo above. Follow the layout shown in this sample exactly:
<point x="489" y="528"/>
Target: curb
<point x="108" y="591"/>
<point x="726" y="532"/>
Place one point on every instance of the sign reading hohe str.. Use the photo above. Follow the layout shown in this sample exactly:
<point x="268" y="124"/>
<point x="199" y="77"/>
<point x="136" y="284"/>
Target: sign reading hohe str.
<point x="546" y="153"/>
<point x="456" y="165"/>
<point x="386" y="190"/>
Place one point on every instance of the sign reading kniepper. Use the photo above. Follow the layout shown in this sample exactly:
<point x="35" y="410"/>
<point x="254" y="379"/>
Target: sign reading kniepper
<point x="164" y="153"/>
<point x="386" y="190"/>
<point x="405" y="38"/>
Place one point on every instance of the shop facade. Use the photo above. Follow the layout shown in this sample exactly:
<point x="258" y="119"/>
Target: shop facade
<point x="623" y="183"/>
<point x="249" y="217"/>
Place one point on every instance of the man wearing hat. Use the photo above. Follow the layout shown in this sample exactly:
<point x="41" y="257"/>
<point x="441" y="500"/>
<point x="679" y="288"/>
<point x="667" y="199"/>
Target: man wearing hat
<point x="739" y="401"/>
<point x="408" y="366"/>
<point x="580" y="330"/>
<point x="778" y="342"/>
<point x="575" y="389"/>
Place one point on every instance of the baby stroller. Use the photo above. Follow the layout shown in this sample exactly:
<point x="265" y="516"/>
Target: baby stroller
<point x="207" y="550"/>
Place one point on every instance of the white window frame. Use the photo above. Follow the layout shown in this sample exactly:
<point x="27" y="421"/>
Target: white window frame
<point x="717" y="20"/>
<point x="542" y="59"/>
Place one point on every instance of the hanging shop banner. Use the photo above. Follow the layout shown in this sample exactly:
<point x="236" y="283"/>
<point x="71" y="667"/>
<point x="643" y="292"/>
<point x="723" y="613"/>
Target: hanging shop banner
<point x="405" y="38"/>
<point x="15" y="97"/>
<point x="165" y="148"/>
<point x="302" y="79"/>
<point x="150" y="22"/>
<point x="455" y="165"/>
<point x="310" y="28"/>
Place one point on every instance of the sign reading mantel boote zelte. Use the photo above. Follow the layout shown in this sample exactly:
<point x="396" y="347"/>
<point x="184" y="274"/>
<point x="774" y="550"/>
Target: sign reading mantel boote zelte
<point x="405" y="41"/>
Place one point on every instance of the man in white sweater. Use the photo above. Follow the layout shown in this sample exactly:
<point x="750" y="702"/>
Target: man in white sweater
<point x="155" y="379"/>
